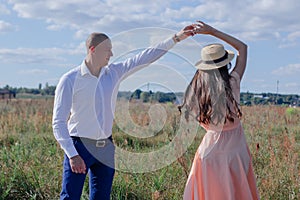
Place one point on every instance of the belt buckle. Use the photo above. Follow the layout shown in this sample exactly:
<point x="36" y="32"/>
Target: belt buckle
<point x="100" y="143"/>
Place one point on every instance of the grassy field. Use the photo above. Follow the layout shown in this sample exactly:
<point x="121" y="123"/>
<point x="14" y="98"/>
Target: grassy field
<point x="30" y="158"/>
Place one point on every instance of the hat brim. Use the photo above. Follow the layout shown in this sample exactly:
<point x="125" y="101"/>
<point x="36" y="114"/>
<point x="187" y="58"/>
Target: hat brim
<point x="203" y="66"/>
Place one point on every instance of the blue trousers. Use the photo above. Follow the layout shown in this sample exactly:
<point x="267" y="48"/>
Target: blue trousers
<point x="99" y="162"/>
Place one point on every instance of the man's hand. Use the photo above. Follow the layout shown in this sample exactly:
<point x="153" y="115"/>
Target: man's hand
<point x="185" y="32"/>
<point x="77" y="165"/>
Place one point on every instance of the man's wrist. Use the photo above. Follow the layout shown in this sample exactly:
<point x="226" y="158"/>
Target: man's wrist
<point x="176" y="38"/>
<point x="74" y="157"/>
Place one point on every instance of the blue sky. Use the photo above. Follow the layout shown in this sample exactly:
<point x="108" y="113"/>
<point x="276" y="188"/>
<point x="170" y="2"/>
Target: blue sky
<point x="41" y="40"/>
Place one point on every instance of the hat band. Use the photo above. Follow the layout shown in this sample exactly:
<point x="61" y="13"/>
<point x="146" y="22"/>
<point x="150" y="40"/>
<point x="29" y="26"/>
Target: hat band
<point x="217" y="60"/>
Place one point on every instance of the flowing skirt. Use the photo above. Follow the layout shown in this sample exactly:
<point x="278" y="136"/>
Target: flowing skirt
<point x="222" y="168"/>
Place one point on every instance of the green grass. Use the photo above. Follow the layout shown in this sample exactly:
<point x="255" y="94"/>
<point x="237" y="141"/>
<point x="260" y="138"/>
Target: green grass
<point x="30" y="158"/>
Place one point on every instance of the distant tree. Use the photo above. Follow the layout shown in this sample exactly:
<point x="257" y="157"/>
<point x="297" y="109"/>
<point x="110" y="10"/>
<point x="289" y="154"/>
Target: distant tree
<point x="125" y="95"/>
<point x="289" y="98"/>
<point x="35" y="91"/>
<point x="158" y="96"/>
<point x="164" y="97"/>
<point x="49" y="90"/>
<point x="136" y="94"/>
<point x="279" y="100"/>
<point x="145" y="96"/>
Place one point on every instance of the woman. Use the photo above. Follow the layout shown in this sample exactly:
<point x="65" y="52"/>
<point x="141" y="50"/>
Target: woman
<point x="222" y="167"/>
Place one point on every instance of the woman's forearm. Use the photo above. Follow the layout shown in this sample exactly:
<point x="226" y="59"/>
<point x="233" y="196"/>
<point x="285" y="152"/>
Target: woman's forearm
<point x="234" y="42"/>
<point x="241" y="47"/>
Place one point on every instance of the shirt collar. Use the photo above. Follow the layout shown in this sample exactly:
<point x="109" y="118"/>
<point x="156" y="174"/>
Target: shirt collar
<point x="84" y="69"/>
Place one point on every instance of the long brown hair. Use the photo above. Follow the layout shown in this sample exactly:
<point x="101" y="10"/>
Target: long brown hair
<point x="209" y="97"/>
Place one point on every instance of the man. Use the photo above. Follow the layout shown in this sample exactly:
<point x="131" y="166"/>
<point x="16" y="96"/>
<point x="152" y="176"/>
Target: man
<point x="83" y="113"/>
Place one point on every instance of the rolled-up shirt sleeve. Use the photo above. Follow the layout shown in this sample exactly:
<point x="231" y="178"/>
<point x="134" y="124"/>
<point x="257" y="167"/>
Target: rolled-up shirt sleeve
<point x="61" y="112"/>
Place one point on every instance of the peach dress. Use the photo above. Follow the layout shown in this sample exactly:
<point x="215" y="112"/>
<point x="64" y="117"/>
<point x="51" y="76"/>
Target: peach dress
<point x="222" y="167"/>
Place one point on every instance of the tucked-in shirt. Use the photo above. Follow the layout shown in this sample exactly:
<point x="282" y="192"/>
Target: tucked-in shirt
<point x="84" y="104"/>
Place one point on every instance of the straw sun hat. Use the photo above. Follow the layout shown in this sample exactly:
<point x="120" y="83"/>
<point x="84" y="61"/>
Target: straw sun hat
<point x="214" y="56"/>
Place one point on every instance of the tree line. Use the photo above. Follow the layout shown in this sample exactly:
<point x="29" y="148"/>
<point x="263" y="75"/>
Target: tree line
<point x="246" y="98"/>
<point x="47" y="90"/>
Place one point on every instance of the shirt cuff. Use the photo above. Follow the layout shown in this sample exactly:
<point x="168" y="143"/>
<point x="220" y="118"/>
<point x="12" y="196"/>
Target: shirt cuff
<point x="170" y="43"/>
<point x="71" y="151"/>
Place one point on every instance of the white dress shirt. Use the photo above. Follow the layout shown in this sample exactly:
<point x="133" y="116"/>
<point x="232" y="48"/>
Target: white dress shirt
<point x="84" y="104"/>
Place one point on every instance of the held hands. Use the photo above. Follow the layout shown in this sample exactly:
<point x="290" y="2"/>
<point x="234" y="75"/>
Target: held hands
<point x="203" y="28"/>
<point x="191" y="30"/>
<point x="184" y="33"/>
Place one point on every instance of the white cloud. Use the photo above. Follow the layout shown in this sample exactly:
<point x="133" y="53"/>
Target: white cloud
<point x="293" y="36"/>
<point x="72" y="14"/>
<point x="258" y="81"/>
<point x="259" y="19"/>
<point x="6" y="27"/>
<point x="33" y="72"/>
<point x="4" y="10"/>
<point x="78" y="50"/>
<point x="289" y="88"/>
<point x="291" y="40"/>
<point x="292" y="69"/>
<point x="89" y="15"/>
<point x="46" y="56"/>
<point x="292" y="85"/>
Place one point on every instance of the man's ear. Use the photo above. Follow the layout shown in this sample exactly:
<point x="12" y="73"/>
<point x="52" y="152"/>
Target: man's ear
<point x="92" y="49"/>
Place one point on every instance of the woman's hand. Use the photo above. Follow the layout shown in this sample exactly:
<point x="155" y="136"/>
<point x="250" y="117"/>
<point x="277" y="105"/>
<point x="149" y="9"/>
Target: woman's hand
<point x="203" y="28"/>
<point x="241" y="59"/>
